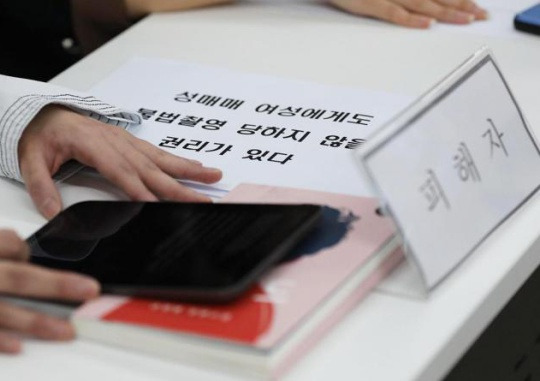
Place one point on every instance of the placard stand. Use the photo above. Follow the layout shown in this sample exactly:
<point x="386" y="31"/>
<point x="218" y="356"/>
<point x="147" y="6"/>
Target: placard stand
<point x="454" y="166"/>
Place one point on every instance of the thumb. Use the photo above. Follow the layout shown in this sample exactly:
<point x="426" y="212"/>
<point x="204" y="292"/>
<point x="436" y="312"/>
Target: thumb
<point x="40" y="185"/>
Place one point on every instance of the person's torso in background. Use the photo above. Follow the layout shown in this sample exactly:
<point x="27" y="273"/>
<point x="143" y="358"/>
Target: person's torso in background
<point x="37" y="38"/>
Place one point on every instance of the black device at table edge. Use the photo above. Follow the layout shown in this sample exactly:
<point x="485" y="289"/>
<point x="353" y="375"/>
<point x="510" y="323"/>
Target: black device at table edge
<point x="196" y="252"/>
<point x="528" y="20"/>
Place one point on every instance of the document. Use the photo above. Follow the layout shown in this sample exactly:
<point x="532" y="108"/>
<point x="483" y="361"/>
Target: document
<point x="256" y="128"/>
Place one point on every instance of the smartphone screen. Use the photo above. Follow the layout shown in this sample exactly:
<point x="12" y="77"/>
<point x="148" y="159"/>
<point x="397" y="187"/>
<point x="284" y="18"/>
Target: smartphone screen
<point x="191" y="251"/>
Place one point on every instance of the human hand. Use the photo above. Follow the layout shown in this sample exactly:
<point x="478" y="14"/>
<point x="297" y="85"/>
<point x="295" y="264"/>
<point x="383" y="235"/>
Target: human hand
<point x="415" y="13"/>
<point x="138" y="8"/>
<point x="18" y="278"/>
<point x="143" y="171"/>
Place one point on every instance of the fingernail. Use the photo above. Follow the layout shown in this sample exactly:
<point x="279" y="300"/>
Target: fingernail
<point x="211" y="169"/>
<point x="81" y="287"/>
<point x="199" y="197"/>
<point x="462" y="18"/>
<point x="422" y="22"/>
<point x="10" y="344"/>
<point x="206" y="199"/>
<point x="481" y="14"/>
<point x="50" y="208"/>
<point x="196" y="162"/>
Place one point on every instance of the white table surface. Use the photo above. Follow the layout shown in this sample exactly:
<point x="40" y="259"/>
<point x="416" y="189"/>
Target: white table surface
<point x="387" y="337"/>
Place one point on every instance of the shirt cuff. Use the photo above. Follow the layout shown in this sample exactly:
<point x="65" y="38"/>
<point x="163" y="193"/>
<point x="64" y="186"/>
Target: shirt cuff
<point x="16" y="116"/>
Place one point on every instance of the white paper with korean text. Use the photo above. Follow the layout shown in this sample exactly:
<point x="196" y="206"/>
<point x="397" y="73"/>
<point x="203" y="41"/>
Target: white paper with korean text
<point x="256" y="128"/>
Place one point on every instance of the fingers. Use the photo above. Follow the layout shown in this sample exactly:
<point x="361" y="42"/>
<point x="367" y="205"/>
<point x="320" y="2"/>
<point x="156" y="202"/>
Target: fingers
<point x="9" y="343"/>
<point x="179" y="168"/>
<point x="39" y="183"/>
<point x="22" y="279"/>
<point x="437" y="11"/>
<point x="32" y="323"/>
<point x="466" y="6"/>
<point x="149" y="179"/>
<point x="15" y="320"/>
<point x="112" y="160"/>
<point x="415" y="13"/>
<point x="12" y="247"/>
<point x="396" y="14"/>
<point x="143" y="171"/>
<point x="26" y="280"/>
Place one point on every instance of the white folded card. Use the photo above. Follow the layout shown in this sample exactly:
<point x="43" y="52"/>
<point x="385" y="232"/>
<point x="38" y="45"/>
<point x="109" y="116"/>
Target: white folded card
<point x="454" y="166"/>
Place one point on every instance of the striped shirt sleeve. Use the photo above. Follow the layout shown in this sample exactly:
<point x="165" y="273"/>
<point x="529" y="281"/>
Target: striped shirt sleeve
<point x="20" y="102"/>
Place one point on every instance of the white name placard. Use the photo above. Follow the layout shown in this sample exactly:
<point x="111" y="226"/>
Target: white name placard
<point x="454" y="166"/>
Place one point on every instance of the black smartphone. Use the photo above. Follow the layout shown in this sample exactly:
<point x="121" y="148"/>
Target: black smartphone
<point x="196" y="252"/>
<point x="529" y="20"/>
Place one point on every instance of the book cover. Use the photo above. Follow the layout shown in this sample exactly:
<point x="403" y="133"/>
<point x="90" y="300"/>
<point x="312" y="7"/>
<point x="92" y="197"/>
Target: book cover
<point x="267" y="330"/>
